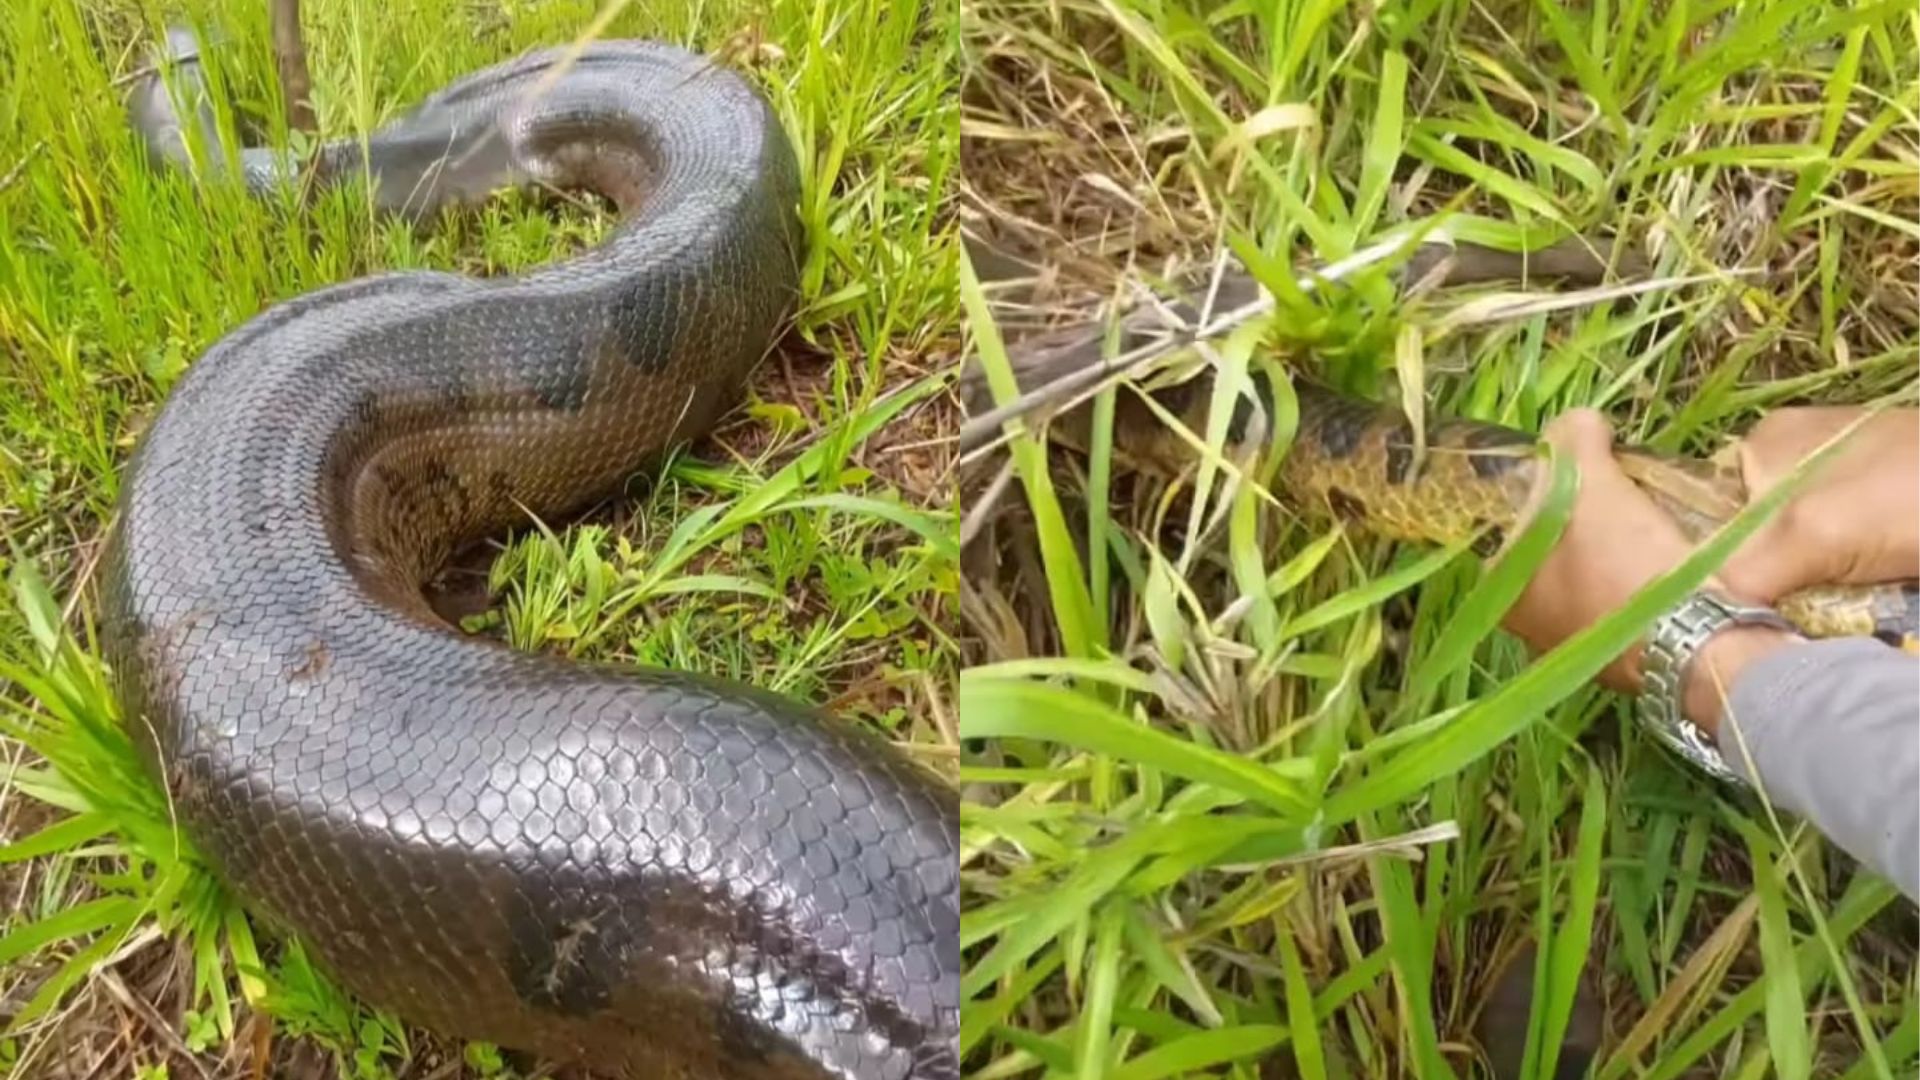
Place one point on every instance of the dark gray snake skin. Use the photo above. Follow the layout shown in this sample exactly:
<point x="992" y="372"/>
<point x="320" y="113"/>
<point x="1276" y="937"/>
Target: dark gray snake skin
<point x="648" y="872"/>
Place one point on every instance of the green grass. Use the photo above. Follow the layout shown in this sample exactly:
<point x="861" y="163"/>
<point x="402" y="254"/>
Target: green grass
<point x="807" y="546"/>
<point x="1252" y="798"/>
<point x="1207" y="835"/>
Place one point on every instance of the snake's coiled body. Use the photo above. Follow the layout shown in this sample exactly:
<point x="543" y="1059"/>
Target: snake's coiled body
<point x="646" y="871"/>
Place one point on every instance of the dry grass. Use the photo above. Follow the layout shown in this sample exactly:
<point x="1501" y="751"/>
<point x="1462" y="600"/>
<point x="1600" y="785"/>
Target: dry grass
<point x="1112" y="146"/>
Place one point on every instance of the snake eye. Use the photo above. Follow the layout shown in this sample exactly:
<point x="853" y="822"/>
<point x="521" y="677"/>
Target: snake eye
<point x="1490" y="540"/>
<point x="1399" y="458"/>
<point x="1346" y="506"/>
<point x="1493" y="451"/>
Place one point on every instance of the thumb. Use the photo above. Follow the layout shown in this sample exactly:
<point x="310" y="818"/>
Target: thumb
<point x="1585" y="436"/>
<point x="1582" y="434"/>
<point x="1790" y="552"/>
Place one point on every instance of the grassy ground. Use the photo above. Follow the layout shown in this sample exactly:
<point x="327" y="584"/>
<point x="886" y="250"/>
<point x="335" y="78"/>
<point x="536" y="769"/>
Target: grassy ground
<point x="1256" y="799"/>
<point x="805" y="547"/>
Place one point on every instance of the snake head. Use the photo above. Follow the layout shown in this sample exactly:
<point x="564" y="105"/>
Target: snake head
<point x="150" y="100"/>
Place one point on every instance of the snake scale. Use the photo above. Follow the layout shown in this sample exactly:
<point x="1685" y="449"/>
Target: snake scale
<point x="649" y="872"/>
<point x="1359" y="461"/>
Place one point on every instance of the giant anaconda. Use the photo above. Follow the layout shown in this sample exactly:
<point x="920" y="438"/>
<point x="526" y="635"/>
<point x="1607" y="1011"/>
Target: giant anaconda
<point x="1359" y="461"/>
<point x="654" y="873"/>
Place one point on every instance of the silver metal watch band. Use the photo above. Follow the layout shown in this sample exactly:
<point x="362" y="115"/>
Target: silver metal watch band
<point x="1671" y="647"/>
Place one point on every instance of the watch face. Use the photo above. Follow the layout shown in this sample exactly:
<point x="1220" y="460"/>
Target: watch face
<point x="1671" y="647"/>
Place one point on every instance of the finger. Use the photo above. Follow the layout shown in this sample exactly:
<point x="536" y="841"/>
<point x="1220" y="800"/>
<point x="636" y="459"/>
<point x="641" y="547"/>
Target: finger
<point x="1782" y="440"/>
<point x="1582" y="433"/>
<point x="1616" y="540"/>
<point x="1801" y="547"/>
<point x="1841" y="528"/>
<point x="1621" y="525"/>
<point x="1585" y="435"/>
<point x="1772" y="563"/>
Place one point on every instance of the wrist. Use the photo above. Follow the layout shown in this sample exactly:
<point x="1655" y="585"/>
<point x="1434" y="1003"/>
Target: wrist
<point x="1691" y="654"/>
<point x="1718" y="663"/>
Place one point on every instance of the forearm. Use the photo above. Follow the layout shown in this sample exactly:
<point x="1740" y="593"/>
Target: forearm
<point x="1831" y="731"/>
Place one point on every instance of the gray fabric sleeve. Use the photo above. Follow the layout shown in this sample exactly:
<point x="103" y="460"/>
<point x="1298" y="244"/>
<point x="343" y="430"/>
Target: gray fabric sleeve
<point x="1833" y="731"/>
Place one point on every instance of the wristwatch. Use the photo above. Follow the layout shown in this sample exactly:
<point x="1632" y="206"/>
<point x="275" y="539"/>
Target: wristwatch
<point x="1675" y="641"/>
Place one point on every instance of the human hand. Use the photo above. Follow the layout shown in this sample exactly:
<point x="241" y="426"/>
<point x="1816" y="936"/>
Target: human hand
<point x="1855" y="521"/>
<point x="1615" y="542"/>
